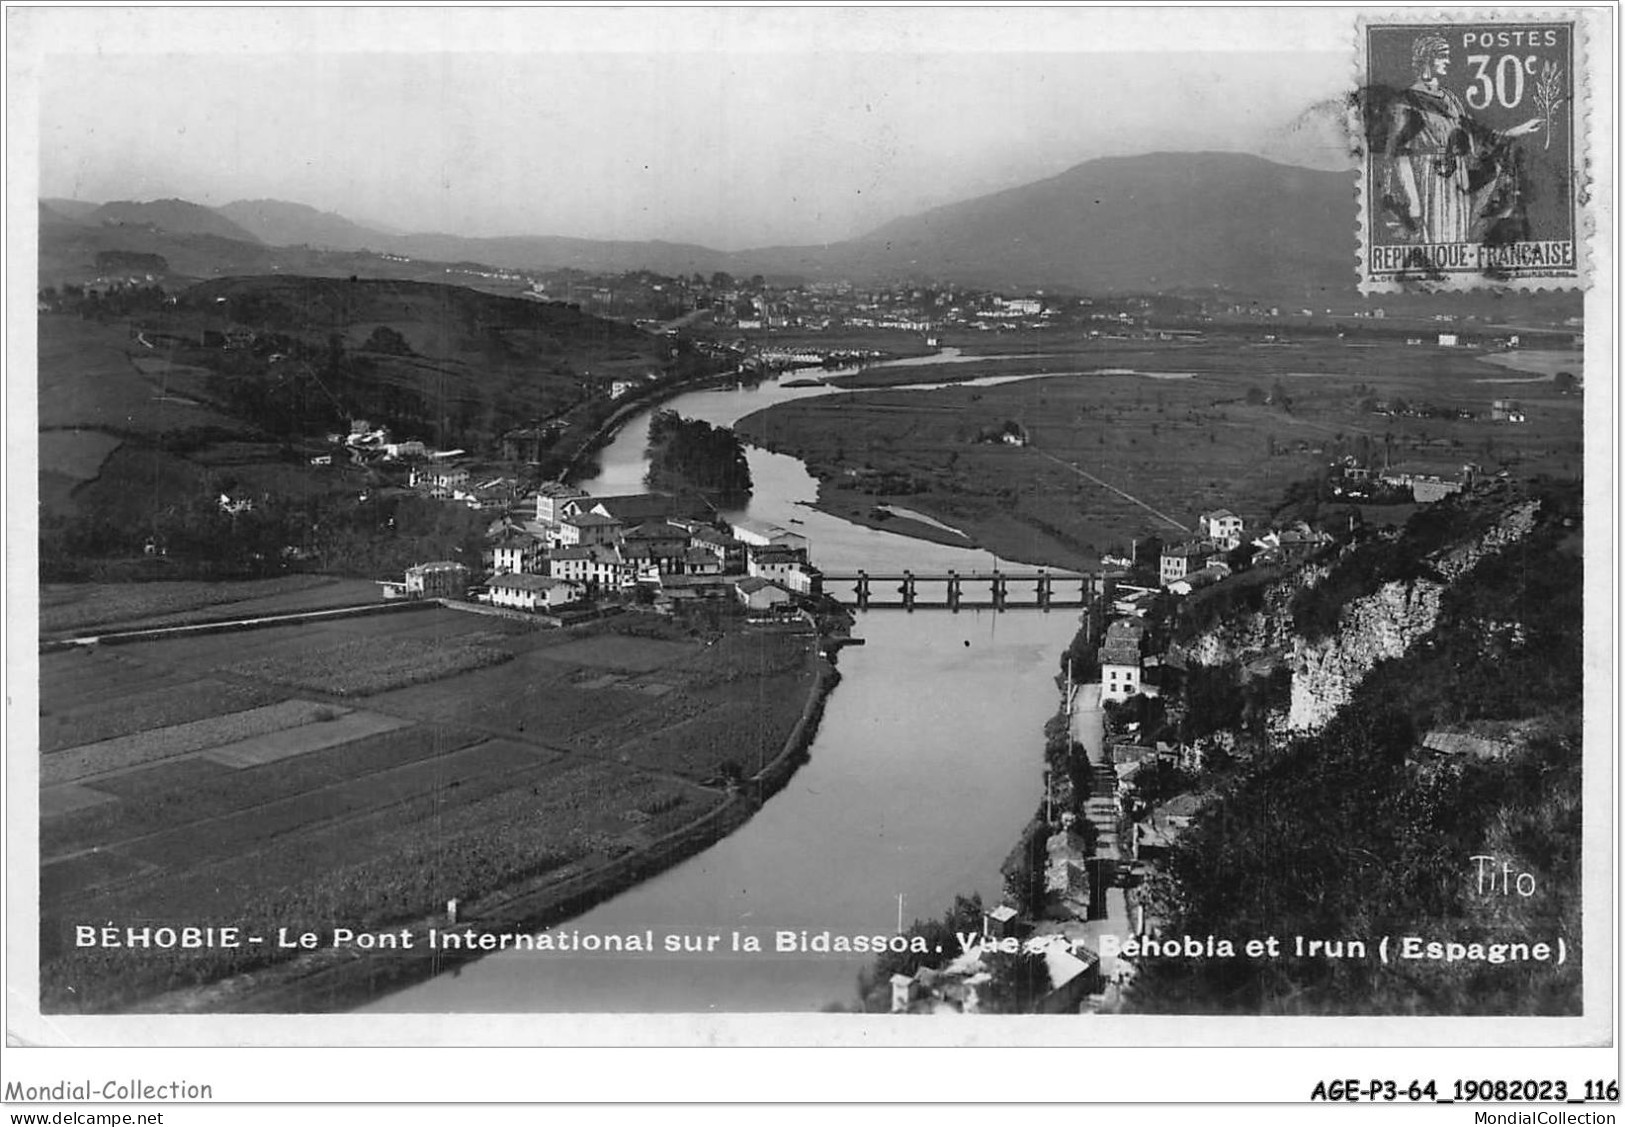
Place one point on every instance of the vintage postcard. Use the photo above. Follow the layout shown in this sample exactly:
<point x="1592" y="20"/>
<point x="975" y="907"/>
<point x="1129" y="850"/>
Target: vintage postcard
<point x="1473" y="174"/>
<point x="773" y="527"/>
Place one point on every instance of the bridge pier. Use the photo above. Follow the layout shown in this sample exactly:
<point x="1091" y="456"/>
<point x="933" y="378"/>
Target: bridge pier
<point x="999" y="592"/>
<point x="953" y="591"/>
<point x="907" y="588"/>
<point x="862" y="590"/>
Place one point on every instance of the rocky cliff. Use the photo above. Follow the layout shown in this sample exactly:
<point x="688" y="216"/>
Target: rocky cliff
<point x="1383" y="625"/>
<point x="1371" y="627"/>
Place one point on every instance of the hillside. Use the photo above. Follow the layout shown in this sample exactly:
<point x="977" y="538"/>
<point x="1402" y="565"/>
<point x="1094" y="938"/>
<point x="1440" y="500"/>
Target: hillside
<point x="1167" y="221"/>
<point x="77" y="211"/>
<point x="1355" y="793"/>
<point x="150" y="410"/>
<point x="551" y="252"/>
<point x="174" y="217"/>
<point x="282" y="224"/>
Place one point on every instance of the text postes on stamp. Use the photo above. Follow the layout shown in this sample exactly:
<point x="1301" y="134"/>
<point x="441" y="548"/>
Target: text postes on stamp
<point x="1471" y="174"/>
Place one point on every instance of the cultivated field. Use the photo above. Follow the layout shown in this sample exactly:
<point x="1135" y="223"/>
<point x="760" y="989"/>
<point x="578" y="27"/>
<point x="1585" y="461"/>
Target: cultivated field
<point x="1126" y="440"/>
<point x="89" y="380"/>
<point x="236" y="780"/>
<point x="72" y="607"/>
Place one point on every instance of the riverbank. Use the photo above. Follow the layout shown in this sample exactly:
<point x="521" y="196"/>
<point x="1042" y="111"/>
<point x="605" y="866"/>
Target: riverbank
<point x="332" y="978"/>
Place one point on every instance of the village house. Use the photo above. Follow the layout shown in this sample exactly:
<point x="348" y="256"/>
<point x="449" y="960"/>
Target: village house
<point x="410" y="448"/>
<point x="785" y="566"/>
<point x="550" y="497"/>
<point x="1121" y="658"/>
<point x="762" y="534"/>
<point x="1222" y="528"/>
<point x="439" y="579"/>
<point x="599" y="569"/>
<point x="1205" y="576"/>
<point x="1178" y="560"/>
<point x="1429" y="482"/>
<point x="634" y="508"/>
<point x="647" y="564"/>
<point x="535" y="592"/>
<point x="663" y="539"/>
<point x="1154" y="835"/>
<point x="1002" y="922"/>
<point x="730" y="553"/>
<point x="1289" y="545"/>
<point x="587" y="530"/>
<point x="761" y="597"/>
<point x="447" y="477"/>
<point x="1131" y="600"/>
<point x="516" y="553"/>
<point x="701" y="561"/>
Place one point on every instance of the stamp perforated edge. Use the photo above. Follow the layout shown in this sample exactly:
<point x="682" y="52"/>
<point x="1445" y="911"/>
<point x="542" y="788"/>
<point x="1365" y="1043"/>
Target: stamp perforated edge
<point x="1582" y="174"/>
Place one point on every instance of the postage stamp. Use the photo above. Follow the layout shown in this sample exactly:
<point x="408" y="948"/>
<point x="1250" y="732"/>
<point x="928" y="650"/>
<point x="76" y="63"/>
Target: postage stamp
<point x="1471" y="174"/>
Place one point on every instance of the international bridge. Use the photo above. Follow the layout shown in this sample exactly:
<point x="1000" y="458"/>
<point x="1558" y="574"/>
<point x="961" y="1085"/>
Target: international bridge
<point x="953" y="590"/>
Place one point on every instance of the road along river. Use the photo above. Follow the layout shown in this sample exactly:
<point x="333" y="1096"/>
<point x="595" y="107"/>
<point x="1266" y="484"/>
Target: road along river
<point x="926" y="766"/>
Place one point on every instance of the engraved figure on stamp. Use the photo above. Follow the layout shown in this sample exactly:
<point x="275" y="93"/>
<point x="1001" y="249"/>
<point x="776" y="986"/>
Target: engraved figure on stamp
<point x="1450" y="178"/>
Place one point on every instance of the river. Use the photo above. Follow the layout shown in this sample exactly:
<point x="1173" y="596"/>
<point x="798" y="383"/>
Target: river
<point x="926" y="765"/>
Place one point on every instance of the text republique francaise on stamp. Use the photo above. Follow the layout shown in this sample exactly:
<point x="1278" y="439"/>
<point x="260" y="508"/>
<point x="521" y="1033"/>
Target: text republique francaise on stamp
<point x="1472" y="172"/>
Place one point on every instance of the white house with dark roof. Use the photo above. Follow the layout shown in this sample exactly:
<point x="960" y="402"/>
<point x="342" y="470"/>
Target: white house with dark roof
<point x="535" y="592"/>
<point x="598" y="568"/>
<point x="1122" y="659"/>
<point x="1222" y="527"/>
<point x="516" y="552"/>
<point x="786" y="566"/>
<point x="760" y="596"/>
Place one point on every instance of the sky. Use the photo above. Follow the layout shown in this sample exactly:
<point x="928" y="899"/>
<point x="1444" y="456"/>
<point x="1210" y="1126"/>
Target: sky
<point x="729" y="127"/>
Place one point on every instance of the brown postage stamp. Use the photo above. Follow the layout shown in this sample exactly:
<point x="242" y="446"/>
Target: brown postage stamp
<point x="1473" y="172"/>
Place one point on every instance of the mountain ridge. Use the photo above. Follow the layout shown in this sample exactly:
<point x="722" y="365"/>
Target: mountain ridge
<point x="1156" y="221"/>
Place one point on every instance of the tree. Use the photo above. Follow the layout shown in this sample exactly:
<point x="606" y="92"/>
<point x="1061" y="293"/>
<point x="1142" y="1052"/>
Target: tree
<point x="387" y="340"/>
<point x="1564" y="383"/>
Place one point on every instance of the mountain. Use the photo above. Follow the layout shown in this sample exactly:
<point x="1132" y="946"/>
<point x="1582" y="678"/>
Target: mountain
<point x="77" y="211"/>
<point x="1165" y="221"/>
<point x="556" y="252"/>
<point x="1160" y="222"/>
<point x="172" y="217"/>
<point x="282" y="224"/>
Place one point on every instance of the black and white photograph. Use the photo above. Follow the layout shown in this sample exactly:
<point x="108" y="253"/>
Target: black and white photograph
<point x="808" y="525"/>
